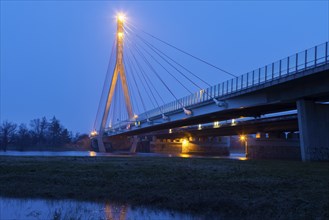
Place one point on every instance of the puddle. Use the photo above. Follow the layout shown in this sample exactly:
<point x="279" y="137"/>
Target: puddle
<point x="41" y="209"/>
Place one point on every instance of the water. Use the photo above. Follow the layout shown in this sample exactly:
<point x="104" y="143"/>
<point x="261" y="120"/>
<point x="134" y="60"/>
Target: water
<point x="41" y="209"/>
<point x="237" y="156"/>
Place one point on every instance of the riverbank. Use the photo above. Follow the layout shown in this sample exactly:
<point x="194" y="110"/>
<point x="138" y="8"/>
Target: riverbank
<point x="229" y="188"/>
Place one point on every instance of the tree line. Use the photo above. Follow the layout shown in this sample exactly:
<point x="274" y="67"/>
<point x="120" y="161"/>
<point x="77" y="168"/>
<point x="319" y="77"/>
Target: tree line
<point x="40" y="133"/>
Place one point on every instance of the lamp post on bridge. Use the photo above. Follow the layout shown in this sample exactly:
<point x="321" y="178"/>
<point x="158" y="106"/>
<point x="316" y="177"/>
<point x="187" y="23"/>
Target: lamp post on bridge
<point x="244" y="140"/>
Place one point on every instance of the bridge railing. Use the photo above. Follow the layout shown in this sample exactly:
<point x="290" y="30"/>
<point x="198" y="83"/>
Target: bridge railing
<point x="292" y="65"/>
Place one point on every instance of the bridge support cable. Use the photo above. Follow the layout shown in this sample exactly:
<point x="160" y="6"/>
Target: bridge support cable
<point x="178" y="64"/>
<point x="129" y="24"/>
<point x="162" y="55"/>
<point x="146" y="76"/>
<point x="172" y="75"/>
<point x="136" y="86"/>
<point x="132" y="90"/>
<point x="158" y="76"/>
<point x="218" y="103"/>
<point x="166" y="60"/>
<point x="141" y="76"/>
<point x="113" y="115"/>
<point x="186" y="111"/>
<point x="109" y="72"/>
<point x="176" y="79"/>
<point x="145" y="79"/>
<point x="141" y="82"/>
<point x="191" y="81"/>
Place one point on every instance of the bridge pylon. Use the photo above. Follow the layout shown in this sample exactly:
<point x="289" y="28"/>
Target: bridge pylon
<point x="119" y="70"/>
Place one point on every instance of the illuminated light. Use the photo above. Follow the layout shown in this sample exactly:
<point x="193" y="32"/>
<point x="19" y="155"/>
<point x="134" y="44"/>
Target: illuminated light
<point x="201" y="92"/>
<point x="216" y="124"/>
<point x="199" y="127"/>
<point x="93" y="133"/>
<point x="135" y="116"/>
<point x="233" y="123"/>
<point x="121" y="17"/>
<point x="258" y="135"/>
<point x="185" y="142"/>
<point x="170" y="131"/>
<point x="137" y="123"/>
<point x="243" y="137"/>
<point x="187" y="112"/>
<point x="120" y="34"/>
<point x="92" y="153"/>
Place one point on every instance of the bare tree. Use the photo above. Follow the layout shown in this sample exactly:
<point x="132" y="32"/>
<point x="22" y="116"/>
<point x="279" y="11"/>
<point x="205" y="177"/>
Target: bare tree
<point x="23" y="137"/>
<point x="7" y="132"/>
<point x="39" y="129"/>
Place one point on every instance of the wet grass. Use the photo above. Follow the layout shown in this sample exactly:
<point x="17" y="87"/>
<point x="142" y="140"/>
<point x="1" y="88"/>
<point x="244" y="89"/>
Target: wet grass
<point x="227" y="188"/>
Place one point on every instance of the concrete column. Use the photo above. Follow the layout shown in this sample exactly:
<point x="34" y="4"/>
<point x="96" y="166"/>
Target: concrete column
<point x="313" y="123"/>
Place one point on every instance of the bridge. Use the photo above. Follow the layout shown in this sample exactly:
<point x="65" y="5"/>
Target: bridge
<point x="298" y="82"/>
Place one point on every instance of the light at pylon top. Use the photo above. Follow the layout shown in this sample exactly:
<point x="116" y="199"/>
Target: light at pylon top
<point x="121" y="17"/>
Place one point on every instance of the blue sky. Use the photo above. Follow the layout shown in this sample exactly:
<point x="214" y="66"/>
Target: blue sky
<point x="54" y="54"/>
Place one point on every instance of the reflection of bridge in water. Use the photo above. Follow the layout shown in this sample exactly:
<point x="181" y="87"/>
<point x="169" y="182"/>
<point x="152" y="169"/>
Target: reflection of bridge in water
<point x="133" y="108"/>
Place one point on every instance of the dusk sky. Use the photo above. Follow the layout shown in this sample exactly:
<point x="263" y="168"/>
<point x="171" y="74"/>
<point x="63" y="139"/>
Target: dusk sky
<point x="54" y="54"/>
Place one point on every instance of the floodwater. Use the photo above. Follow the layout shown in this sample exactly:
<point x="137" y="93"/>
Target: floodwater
<point x="237" y="156"/>
<point x="41" y="209"/>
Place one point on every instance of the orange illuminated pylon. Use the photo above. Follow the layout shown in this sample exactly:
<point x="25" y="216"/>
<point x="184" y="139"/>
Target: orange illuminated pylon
<point x="119" y="69"/>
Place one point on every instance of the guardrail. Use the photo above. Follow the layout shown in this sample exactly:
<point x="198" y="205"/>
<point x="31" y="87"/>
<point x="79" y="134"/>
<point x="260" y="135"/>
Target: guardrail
<point x="291" y="65"/>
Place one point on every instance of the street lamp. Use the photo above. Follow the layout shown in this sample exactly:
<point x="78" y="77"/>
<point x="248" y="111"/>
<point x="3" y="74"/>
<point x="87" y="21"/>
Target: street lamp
<point x="244" y="140"/>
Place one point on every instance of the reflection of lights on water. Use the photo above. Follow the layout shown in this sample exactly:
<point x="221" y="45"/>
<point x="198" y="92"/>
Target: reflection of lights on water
<point x="185" y="155"/>
<point x="185" y="148"/>
<point x="242" y="158"/>
<point x="92" y="153"/>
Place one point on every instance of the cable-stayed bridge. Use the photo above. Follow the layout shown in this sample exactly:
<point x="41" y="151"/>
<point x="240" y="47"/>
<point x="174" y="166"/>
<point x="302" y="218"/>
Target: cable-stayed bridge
<point x="146" y="85"/>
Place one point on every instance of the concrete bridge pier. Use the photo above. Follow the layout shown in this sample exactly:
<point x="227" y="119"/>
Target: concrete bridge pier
<point x="313" y="122"/>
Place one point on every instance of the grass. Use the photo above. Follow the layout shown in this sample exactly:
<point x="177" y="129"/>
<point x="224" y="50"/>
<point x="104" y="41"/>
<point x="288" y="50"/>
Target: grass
<point x="227" y="188"/>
